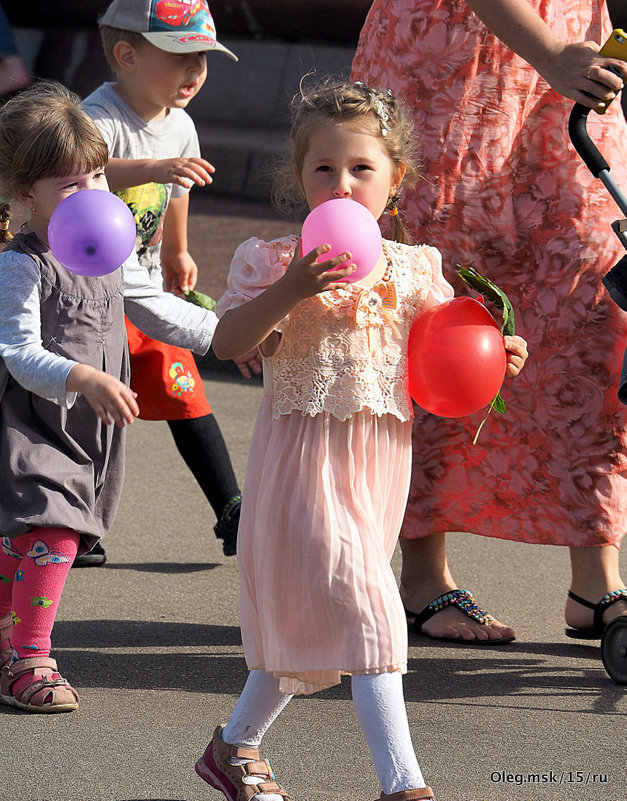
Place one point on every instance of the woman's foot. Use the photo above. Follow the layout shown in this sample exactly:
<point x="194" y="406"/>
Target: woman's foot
<point x="449" y="623"/>
<point x="595" y="573"/>
<point x="424" y="577"/>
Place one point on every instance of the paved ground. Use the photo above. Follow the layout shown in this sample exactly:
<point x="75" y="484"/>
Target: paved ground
<point x="151" y="641"/>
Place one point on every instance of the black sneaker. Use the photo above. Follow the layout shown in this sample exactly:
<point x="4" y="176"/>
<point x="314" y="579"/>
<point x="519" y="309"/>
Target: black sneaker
<point x="227" y="525"/>
<point x="94" y="558"/>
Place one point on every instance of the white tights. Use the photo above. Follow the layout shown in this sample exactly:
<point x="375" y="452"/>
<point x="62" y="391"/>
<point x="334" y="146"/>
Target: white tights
<point x="380" y="707"/>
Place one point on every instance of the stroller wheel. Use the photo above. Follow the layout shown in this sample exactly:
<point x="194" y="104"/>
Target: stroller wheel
<point x="614" y="650"/>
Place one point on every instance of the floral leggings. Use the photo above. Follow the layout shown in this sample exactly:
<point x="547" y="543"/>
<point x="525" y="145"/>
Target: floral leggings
<point x="33" y="570"/>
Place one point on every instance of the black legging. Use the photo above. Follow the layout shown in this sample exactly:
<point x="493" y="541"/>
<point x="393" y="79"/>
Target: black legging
<point x="202" y="446"/>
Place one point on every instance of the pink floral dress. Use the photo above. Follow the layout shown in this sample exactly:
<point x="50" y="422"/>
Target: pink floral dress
<point x="505" y="191"/>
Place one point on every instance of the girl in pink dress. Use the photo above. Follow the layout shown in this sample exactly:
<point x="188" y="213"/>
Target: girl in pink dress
<point x="330" y="459"/>
<point x="506" y="192"/>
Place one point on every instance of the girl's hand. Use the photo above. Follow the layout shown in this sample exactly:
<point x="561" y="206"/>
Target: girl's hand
<point x="180" y="272"/>
<point x="307" y="276"/>
<point x="517" y="354"/>
<point x="249" y="363"/>
<point x="112" y="400"/>
<point x="183" y="171"/>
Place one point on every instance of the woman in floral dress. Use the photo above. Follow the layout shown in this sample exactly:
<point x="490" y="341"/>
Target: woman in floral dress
<point x="505" y="191"/>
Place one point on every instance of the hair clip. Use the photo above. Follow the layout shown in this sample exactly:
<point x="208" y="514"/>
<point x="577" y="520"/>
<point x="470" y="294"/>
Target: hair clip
<point x="379" y="107"/>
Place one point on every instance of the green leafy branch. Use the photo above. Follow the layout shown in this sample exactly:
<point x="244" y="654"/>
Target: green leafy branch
<point x="495" y="295"/>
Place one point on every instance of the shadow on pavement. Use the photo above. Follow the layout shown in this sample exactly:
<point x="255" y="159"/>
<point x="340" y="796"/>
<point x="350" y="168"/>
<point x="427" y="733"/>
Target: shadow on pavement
<point x="142" y="634"/>
<point x="162" y="567"/>
<point x="151" y="673"/>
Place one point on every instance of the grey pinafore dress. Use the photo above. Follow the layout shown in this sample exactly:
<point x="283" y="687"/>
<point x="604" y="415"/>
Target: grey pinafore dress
<point x="64" y="467"/>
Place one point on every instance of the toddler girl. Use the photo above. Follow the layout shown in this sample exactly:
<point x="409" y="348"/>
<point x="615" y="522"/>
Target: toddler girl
<point x="330" y="459"/>
<point x="63" y="381"/>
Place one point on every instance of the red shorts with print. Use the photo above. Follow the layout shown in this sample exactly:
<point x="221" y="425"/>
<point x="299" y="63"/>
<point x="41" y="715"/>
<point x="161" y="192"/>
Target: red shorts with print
<point x="165" y="378"/>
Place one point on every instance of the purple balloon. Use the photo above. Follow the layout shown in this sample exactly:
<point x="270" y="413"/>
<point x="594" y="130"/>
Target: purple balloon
<point x="92" y="232"/>
<point x="347" y="226"/>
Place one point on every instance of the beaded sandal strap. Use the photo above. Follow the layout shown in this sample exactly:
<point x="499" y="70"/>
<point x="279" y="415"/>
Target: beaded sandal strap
<point x="462" y="599"/>
<point x="600" y="607"/>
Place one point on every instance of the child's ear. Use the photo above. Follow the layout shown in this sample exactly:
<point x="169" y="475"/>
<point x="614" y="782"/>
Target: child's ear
<point x="397" y="178"/>
<point x="125" y="55"/>
<point x="25" y="198"/>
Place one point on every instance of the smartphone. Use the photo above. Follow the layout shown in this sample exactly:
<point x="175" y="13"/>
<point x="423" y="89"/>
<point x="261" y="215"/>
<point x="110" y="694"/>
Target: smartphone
<point x="615" y="47"/>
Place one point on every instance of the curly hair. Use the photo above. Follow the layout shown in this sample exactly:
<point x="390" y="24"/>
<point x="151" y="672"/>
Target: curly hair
<point x="339" y="100"/>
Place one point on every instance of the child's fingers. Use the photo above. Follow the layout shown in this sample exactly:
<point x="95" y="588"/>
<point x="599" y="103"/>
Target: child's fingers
<point x="187" y="177"/>
<point x="334" y="276"/>
<point x="123" y="409"/>
<point x="517" y="354"/>
<point x="516" y="345"/>
<point x="249" y="363"/>
<point x="202" y="163"/>
<point x="315" y="254"/>
<point x="334" y="263"/>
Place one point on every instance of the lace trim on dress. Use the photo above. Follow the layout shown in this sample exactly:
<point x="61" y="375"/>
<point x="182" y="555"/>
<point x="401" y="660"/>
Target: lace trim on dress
<point x="345" y="350"/>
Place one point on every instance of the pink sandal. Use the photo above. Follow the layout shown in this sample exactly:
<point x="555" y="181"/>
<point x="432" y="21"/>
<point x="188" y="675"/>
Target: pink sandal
<point x="34" y="685"/>
<point x="419" y="794"/>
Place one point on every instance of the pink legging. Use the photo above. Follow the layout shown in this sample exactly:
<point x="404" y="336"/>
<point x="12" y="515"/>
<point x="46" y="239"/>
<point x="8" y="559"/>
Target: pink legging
<point x="33" y="570"/>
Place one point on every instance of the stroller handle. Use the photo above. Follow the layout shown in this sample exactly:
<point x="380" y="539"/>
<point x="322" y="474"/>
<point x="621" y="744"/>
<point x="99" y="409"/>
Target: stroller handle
<point x="582" y="143"/>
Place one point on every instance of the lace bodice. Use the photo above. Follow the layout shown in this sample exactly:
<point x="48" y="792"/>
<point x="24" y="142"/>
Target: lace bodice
<point x="345" y="350"/>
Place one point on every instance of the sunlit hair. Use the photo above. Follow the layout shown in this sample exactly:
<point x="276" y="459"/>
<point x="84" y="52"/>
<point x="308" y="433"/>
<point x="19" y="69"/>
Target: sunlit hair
<point x="44" y="133"/>
<point x="338" y="100"/>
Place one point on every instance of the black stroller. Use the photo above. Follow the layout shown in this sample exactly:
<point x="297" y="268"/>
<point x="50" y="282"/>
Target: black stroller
<point x="614" y="640"/>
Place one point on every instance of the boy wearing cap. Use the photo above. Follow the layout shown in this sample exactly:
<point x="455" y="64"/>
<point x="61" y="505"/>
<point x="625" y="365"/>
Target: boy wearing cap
<point x="158" y="52"/>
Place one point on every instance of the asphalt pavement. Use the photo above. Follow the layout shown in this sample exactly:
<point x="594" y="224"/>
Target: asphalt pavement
<point x="151" y="642"/>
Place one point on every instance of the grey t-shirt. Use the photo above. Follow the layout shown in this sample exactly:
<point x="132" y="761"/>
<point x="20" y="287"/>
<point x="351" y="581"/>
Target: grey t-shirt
<point x="128" y="136"/>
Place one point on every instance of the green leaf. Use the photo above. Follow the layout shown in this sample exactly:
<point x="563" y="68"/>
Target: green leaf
<point x="493" y="293"/>
<point x="200" y="299"/>
<point x="498" y="404"/>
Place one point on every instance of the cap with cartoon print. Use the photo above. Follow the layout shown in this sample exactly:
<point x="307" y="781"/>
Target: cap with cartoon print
<point x="176" y="26"/>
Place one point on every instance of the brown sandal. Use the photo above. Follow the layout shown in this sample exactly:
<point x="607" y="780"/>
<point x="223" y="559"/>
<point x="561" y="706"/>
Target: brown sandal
<point x="215" y="768"/>
<point x="419" y="794"/>
<point x="34" y="685"/>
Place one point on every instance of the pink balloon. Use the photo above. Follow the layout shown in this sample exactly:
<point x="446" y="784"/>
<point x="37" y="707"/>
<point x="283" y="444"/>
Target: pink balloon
<point x="92" y="232"/>
<point x="347" y="226"/>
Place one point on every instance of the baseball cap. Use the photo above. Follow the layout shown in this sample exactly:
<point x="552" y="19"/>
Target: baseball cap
<point x="176" y="26"/>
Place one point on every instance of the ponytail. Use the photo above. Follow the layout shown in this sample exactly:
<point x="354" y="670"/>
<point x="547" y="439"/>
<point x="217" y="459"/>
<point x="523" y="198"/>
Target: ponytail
<point x="5" y="214"/>
<point x="399" y="231"/>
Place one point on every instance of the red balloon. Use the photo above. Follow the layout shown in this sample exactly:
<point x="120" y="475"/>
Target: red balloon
<point x="457" y="359"/>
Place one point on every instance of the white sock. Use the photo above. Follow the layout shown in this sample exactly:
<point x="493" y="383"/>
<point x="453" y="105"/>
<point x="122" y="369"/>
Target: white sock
<point x="258" y="706"/>
<point x="380" y="706"/>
